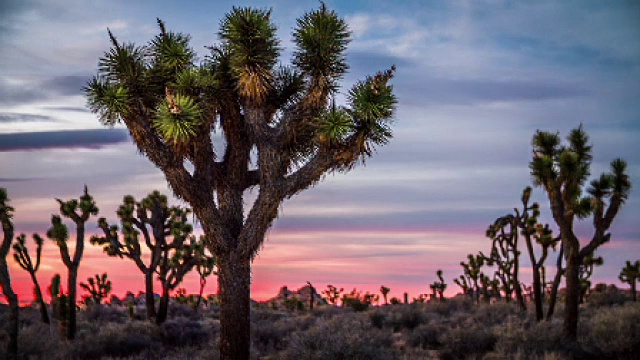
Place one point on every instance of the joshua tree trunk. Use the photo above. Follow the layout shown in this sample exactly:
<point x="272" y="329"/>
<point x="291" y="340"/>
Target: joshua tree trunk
<point x="71" y="285"/>
<point x="572" y="276"/>
<point x="164" y="306"/>
<point x="556" y="284"/>
<point x="633" y="291"/>
<point x="537" y="293"/>
<point x="12" y="298"/>
<point x="149" y="298"/>
<point x="235" y="291"/>
<point x="516" y="281"/>
<point x="44" y="314"/>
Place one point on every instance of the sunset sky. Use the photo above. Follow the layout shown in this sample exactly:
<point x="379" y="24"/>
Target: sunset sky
<point x="475" y="80"/>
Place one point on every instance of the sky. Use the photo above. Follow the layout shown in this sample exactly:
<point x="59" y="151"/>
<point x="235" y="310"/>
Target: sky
<point x="474" y="81"/>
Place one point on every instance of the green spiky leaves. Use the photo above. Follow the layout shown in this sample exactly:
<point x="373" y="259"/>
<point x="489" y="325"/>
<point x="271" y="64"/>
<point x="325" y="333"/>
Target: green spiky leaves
<point x="109" y="101"/>
<point x="177" y="118"/>
<point x="171" y="51"/>
<point x="58" y="231"/>
<point x="321" y="38"/>
<point x="253" y="46"/>
<point x="334" y="126"/>
<point x="372" y="105"/>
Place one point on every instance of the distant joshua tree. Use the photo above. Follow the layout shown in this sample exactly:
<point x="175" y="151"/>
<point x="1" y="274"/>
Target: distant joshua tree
<point x="79" y="211"/>
<point x="98" y="287"/>
<point x="23" y="258"/>
<point x="384" y="291"/>
<point x="281" y="132"/>
<point x="205" y="268"/>
<point x="6" y="213"/>
<point x="438" y="287"/>
<point x="472" y="274"/>
<point x="332" y="294"/>
<point x="165" y="231"/>
<point x="586" y="270"/>
<point x="505" y="233"/>
<point x="630" y="274"/>
<point x="562" y="171"/>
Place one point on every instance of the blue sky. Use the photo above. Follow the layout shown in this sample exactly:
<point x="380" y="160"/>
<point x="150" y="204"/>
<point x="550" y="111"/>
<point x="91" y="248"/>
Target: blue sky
<point x="475" y="80"/>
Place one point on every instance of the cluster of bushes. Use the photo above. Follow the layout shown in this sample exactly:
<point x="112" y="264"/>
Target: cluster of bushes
<point x="453" y="329"/>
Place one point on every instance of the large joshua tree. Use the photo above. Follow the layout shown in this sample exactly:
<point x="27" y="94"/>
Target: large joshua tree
<point x="6" y="213"/>
<point x="562" y="171"/>
<point x="280" y="134"/>
<point x="79" y="211"/>
<point x="164" y="230"/>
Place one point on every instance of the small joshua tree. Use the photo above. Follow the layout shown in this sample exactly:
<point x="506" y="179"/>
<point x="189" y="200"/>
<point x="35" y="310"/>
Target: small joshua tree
<point x="527" y="220"/>
<point x="6" y="214"/>
<point x="506" y="256"/>
<point x="79" y="211"/>
<point x="165" y="231"/>
<point x="59" y="304"/>
<point x="23" y="258"/>
<point x="468" y="281"/>
<point x="438" y="287"/>
<point x="98" y="289"/>
<point x="205" y="268"/>
<point x="630" y="274"/>
<point x="384" y="291"/>
<point x="332" y="294"/>
<point x="586" y="270"/>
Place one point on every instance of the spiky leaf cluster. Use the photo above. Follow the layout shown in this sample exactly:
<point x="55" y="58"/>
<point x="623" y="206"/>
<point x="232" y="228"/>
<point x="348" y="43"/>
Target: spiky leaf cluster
<point x="321" y="37"/>
<point x="21" y="253"/>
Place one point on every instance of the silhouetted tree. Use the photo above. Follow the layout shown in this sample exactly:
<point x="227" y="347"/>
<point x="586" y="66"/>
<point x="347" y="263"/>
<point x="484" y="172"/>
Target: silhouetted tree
<point x="165" y="231"/>
<point x="23" y="258"/>
<point x="205" y="268"/>
<point x="98" y="288"/>
<point x="506" y="256"/>
<point x="505" y="233"/>
<point x="384" y="291"/>
<point x="171" y="104"/>
<point x="472" y="274"/>
<point x="332" y="294"/>
<point x="630" y="274"/>
<point x="562" y="170"/>
<point x="438" y="287"/>
<point x="586" y="270"/>
<point x="79" y="211"/>
<point x="6" y="214"/>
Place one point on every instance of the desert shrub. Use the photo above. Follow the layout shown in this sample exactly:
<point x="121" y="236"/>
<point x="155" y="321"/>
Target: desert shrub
<point x="614" y="332"/>
<point x="40" y="341"/>
<point x="427" y="336"/>
<point x="406" y="316"/>
<point x="328" y="311"/>
<point x="179" y="310"/>
<point x="537" y="339"/>
<point x="94" y="341"/>
<point x="606" y="297"/>
<point x="453" y="305"/>
<point x="466" y="341"/>
<point x="346" y="337"/>
<point x="293" y="304"/>
<point x="496" y="314"/>
<point x="185" y="332"/>
<point x="272" y="336"/>
<point x="377" y="319"/>
<point x="104" y="313"/>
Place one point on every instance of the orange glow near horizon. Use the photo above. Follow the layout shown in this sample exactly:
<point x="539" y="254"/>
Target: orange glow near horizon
<point x="289" y="258"/>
